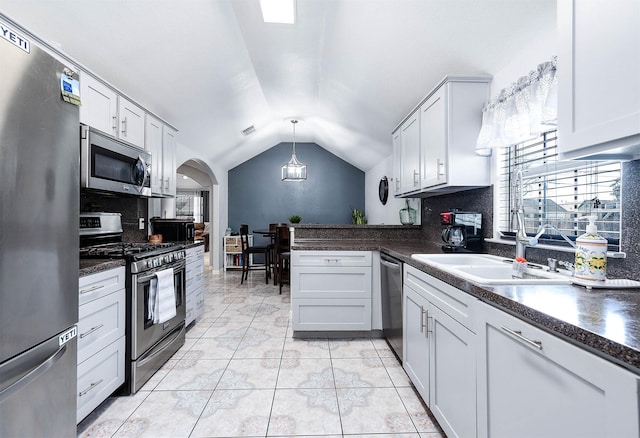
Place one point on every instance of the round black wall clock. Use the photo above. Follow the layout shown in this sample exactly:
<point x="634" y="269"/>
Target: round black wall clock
<point x="383" y="190"/>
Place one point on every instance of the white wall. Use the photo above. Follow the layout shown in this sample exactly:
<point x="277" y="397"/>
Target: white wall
<point x="375" y="212"/>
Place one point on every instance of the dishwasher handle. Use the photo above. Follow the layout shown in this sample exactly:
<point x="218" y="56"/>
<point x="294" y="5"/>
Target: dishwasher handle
<point x="390" y="262"/>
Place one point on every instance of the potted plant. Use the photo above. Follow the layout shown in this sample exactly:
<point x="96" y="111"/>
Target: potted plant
<point x="295" y="219"/>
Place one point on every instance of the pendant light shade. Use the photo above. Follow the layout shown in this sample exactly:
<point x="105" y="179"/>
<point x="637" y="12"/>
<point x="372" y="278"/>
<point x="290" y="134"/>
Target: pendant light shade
<point x="294" y="170"/>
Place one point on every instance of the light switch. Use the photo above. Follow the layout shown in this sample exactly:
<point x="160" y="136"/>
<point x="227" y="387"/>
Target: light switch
<point x="141" y="223"/>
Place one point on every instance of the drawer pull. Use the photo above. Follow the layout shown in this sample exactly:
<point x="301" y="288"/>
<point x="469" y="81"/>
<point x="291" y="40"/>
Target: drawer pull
<point x="518" y="334"/>
<point x="91" y="289"/>
<point x="93" y="385"/>
<point x="422" y="312"/>
<point x="332" y="260"/>
<point x="93" y="329"/>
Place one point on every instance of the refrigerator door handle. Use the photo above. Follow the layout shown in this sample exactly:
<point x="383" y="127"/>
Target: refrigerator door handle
<point x="33" y="374"/>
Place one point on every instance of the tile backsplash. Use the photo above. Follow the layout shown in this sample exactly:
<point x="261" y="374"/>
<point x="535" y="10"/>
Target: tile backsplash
<point x="481" y="200"/>
<point x="131" y="209"/>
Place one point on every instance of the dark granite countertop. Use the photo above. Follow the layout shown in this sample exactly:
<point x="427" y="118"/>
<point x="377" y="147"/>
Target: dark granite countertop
<point x="603" y="321"/>
<point x="92" y="266"/>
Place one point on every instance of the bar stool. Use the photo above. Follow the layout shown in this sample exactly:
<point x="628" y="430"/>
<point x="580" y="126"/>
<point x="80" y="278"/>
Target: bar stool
<point x="248" y="250"/>
<point x="283" y="256"/>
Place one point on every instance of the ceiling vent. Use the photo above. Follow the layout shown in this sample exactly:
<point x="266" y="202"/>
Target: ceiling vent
<point x="250" y="130"/>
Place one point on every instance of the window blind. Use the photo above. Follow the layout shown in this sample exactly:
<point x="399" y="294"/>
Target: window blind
<point x="558" y="192"/>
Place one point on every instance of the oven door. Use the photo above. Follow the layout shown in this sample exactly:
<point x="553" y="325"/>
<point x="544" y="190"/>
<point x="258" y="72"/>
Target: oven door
<point x="144" y="333"/>
<point x="109" y="164"/>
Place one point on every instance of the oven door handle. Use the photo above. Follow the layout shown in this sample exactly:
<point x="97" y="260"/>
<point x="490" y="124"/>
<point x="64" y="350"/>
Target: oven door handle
<point x="159" y="348"/>
<point x="148" y="277"/>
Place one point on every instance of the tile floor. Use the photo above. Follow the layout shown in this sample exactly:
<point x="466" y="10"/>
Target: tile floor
<point x="240" y="373"/>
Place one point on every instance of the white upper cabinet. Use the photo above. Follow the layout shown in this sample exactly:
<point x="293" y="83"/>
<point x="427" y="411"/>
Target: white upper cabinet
<point x="599" y="78"/>
<point x="169" y="161"/>
<point x="395" y="189"/>
<point x="436" y="143"/>
<point x="102" y="108"/>
<point x="433" y="141"/>
<point x="153" y="144"/>
<point x="99" y="107"/>
<point x="410" y="154"/>
<point x="130" y="122"/>
<point x="160" y="140"/>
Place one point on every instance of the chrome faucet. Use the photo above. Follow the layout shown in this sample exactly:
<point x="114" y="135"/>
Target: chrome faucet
<point x="517" y="217"/>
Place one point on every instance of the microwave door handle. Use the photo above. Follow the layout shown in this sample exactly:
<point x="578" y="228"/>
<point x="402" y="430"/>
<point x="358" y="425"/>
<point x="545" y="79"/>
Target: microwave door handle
<point x="145" y="169"/>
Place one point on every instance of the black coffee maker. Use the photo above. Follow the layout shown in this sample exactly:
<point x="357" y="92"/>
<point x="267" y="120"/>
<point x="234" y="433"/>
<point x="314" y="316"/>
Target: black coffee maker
<point x="462" y="231"/>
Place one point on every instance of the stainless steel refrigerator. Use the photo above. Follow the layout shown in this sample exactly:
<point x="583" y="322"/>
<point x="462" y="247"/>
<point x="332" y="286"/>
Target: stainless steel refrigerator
<point x="39" y="202"/>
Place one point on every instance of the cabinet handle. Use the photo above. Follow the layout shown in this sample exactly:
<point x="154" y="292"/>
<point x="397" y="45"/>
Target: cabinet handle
<point x="518" y="334"/>
<point x="397" y="184"/>
<point x="93" y="385"/>
<point x="440" y="169"/>
<point x="124" y="126"/>
<point x="428" y="325"/>
<point x="91" y="330"/>
<point x="422" y="319"/>
<point x="114" y="125"/>
<point x="331" y="260"/>
<point x="167" y="185"/>
<point x="416" y="177"/>
<point x="91" y="289"/>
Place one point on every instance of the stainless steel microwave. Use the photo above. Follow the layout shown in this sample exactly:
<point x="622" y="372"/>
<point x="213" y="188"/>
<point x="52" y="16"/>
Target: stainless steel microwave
<point x="109" y="164"/>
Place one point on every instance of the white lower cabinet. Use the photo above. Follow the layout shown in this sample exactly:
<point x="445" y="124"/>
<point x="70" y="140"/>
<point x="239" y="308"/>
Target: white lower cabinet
<point x="439" y="351"/>
<point x="533" y="384"/>
<point x="331" y="290"/>
<point x="101" y="338"/>
<point x="194" y="273"/>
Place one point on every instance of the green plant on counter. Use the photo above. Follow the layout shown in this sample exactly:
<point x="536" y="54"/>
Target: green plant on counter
<point x="295" y="219"/>
<point x="357" y="217"/>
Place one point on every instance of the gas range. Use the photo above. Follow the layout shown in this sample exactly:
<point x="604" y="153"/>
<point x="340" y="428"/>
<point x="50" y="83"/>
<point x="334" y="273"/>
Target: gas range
<point x="100" y="238"/>
<point x="141" y="256"/>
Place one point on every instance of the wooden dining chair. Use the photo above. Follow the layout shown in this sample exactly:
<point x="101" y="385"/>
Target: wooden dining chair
<point x="248" y="251"/>
<point x="283" y="256"/>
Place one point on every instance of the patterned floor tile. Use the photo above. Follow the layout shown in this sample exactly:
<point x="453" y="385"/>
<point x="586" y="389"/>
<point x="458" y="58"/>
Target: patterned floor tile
<point x="304" y="411"/>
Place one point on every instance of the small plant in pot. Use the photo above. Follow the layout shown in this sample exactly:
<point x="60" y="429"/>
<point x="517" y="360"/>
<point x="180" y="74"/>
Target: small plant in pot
<point x="295" y="219"/>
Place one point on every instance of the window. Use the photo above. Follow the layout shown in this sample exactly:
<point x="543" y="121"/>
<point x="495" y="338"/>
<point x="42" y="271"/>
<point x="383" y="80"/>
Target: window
<point x="558" y="192"/>
<point x="189" y="204"/>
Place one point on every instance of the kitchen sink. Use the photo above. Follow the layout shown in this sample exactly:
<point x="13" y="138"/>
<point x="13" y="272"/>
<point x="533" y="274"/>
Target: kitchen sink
<point x="491" y="270"/>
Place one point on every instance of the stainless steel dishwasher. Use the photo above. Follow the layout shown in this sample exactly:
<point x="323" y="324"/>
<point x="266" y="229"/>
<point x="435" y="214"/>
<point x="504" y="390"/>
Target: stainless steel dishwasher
<point x="391" y="286"/>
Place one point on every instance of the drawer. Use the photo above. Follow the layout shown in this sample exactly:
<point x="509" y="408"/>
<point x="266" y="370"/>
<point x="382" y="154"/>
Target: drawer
<point x="329" y="315"/>
<point x="100" y="323"/>
<point x="335" y="283"/>
<point x="456" y="303"/>
<point x="331" y="258"/>
<point x="100" y="284"/>
<point x="99" y="376"/>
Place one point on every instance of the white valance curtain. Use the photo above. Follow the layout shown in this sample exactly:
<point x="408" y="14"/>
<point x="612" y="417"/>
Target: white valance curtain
<point x="523" y="111"/>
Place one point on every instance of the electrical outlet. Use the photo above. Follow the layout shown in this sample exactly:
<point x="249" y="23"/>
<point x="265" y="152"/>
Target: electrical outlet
<point x="141" y="223"/>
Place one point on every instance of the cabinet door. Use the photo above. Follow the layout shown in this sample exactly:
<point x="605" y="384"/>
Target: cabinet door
<point x="533" y="384"/>
<point x="416" y="356"/>
<point x="169" y="161"/>
<point x="131" y="122"/>
<point x="598" y="75"/>
<point x="452" y="374"/>
<point x="99" y="107"/>
<point x="433" y="139"/>
<point x="397" y="163"/>
<point x="410" y="154"/>
<point x="153" y="144"/>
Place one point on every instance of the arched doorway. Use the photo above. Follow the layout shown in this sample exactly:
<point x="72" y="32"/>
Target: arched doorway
<point x="201" y="178"/>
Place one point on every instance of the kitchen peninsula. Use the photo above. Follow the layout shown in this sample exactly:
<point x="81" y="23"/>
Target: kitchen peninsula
<point x="584" y="318"/>
<point x="488" y="361"/>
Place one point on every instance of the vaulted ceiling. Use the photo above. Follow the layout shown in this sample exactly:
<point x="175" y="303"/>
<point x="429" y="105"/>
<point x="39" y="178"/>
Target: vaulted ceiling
<point x="349" y="69"/>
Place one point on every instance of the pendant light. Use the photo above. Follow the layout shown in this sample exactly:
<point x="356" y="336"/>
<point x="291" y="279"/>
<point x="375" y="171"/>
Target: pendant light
<point x="294" y="170"/>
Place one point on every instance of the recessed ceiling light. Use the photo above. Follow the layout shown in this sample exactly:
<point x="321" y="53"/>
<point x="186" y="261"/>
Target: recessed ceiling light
<point x="278" y="11"/>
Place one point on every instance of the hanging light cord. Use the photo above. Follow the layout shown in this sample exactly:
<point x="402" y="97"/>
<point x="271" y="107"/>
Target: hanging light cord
<point x="294" y="136"/>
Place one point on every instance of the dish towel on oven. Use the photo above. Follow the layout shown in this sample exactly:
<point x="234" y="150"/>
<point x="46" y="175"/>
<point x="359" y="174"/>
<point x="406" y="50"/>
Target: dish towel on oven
<point x="162" y="297"/>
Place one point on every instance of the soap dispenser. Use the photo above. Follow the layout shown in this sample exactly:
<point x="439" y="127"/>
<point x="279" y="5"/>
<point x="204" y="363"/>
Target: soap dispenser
<point x="591" y="253"/>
